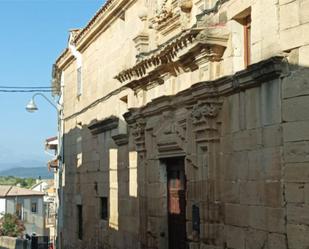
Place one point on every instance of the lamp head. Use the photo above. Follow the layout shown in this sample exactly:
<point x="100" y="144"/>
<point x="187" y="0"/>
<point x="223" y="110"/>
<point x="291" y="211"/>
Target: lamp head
<point x="31" y="106"/>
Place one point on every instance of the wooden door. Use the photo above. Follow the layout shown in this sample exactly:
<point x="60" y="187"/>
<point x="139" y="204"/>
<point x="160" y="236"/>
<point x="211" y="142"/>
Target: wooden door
<point x="176" y="185"/>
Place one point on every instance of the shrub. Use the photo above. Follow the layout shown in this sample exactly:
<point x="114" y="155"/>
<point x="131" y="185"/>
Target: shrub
<point x="11" y="226"/>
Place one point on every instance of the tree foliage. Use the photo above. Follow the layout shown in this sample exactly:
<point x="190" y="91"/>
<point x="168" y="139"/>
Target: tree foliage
<point x="11" y="226"/>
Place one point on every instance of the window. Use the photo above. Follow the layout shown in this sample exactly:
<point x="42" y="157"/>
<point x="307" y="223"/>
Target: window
<point x="33" y="206"/>
<point x="79" y="81"/>
<point x="247" y="40"/>
<point x="18" y="211"/>
<point x="244" y="19"/>
<point x="104" y="208"/>
<point x="80" y="221"/>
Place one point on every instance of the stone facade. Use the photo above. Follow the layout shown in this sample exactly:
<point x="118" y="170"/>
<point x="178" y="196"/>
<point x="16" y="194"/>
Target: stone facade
<point x="149" y="82"/>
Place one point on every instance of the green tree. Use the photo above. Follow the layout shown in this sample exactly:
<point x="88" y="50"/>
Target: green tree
<point x="11" y="226"/>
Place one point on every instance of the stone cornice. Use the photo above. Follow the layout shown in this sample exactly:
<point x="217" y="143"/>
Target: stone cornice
<point x="104" y="125"/>
<point x="180" y="50"/>
<point x="254" y="75"/>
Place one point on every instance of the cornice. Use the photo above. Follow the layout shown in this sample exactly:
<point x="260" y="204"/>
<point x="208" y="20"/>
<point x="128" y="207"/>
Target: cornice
<point x="182" y="50"/>
<point x="107" y="124"/>
<point x="254" y="75"/>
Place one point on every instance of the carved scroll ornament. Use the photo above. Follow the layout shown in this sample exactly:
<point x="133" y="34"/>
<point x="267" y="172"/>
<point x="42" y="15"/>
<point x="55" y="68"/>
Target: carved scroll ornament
<point x="202" y="111"/>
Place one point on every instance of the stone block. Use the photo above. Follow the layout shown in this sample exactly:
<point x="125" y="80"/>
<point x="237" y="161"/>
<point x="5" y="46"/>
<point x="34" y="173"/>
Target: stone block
<point x="289" y="15"/>
<point x="285" y="38"/>
<point x="257" y="217"/>
<point x="265" y="164"/>
<point x="252" y="193"/>
<point x="235" y="165"/>
<point x="277" y="241"/>
<point x="267" y="219"/>
<point x="236" y="215"/>
<point x="298" y="214"/>
<point x="297" y="84"/>
<point x="230" y="193"/>
<point x="247" y="140"/>
<point x="296" y="131"/>
<point x="272" y="136"/>
<point x="255" y="239"/>
<point x="274" y="194"/>
<point x="295" y="152"/>
<point x="234" y="111"/>
<point x="296" y="172"/>
<point x="307" y="193"/>
<point x="252" y="105"/>
<point x="304" y="62"/>
<point x="296" y="109"/>
<point x="295" y="192"/>
<point x="298" y="236"/>
<point x="271" y="103"/>
<point x="304" y="11"/>
<point x="275" y="220"/>
<point x="235" y="237"/>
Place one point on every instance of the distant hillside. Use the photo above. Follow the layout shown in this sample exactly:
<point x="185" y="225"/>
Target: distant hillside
<point x="34" y="172"/>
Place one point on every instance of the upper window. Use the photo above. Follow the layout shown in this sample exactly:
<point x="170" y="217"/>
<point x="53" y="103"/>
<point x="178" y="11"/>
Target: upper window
<point x="34" y="207"/>
<point x="244" y="19"/>
<point x="19" y="210"/>
<point x="247" y="40"/>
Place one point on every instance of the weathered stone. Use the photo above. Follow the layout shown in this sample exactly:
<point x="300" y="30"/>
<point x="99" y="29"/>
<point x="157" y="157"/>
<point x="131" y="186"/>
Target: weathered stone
<point x="255" y="239"/>
<point x="252" y="193"/>
<point x="298" y="214"/>
<point x="253" y="119"/>
<point x="295" y="152"/>
<point x="295" y="109"/>
<point x="265" y="164"/>
<point x="289" y="15"/>
<point x="295" y="192"/>
<point x="296" y="131"/>
<point x="272" y="136"/>
<point x="296" y="172"/>
<point x="236" y="215"/>
<point x="277" y="241"/>
<point x="235" y="237"/>
<point x="297" y="236"/>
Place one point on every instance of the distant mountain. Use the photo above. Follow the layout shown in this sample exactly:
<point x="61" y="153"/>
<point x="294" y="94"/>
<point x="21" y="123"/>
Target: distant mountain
<point x="21" y="164"/>
<point x="31" y="172"/>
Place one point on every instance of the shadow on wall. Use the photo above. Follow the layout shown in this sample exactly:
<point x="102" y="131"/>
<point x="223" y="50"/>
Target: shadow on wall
<point x="100" y="205"/>
<point x="102" y="209"/>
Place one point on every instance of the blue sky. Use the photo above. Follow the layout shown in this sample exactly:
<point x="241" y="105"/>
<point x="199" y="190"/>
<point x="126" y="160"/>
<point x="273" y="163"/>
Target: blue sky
<point x="33" y="34"/>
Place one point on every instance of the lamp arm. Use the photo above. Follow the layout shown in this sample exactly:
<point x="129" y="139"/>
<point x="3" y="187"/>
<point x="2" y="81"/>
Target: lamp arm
<point x="47" y="99"/>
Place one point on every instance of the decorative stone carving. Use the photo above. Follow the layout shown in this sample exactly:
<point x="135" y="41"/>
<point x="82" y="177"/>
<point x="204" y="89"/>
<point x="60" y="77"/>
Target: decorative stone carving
<point x="186" y="5"/>
<point x="203" y="111"/>
<point x="138" y="131"/>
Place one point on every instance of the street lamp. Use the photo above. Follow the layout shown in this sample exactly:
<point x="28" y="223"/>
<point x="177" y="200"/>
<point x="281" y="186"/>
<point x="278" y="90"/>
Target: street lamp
<point x="32" y="107"/>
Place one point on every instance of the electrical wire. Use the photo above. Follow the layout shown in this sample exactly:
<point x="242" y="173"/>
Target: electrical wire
<point x="26" y="87"/>
<point x="24" y="91"/>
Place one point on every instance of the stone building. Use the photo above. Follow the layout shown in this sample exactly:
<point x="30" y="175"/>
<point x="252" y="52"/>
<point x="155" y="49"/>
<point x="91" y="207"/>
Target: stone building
<point x="186" y="126"/>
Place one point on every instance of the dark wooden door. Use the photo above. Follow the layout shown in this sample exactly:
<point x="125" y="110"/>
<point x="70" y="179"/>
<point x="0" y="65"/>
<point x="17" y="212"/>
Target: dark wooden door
<point x="176" y="185"/>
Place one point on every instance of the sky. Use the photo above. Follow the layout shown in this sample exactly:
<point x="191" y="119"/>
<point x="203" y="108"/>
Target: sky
<point x="33" y="33"/>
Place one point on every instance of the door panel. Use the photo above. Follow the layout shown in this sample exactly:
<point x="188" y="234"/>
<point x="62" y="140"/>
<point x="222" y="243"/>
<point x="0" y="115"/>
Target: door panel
<point x="176" y="185"/>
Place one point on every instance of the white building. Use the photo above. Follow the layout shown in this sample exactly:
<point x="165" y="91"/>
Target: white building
<point x="26" y="204"/>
